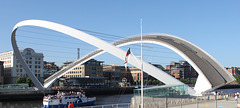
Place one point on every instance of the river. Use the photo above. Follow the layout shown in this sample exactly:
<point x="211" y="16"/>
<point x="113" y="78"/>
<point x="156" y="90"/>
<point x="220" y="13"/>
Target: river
<point x="101" y="100"/>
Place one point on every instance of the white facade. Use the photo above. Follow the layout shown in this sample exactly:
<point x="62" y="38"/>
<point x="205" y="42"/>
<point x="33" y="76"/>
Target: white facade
<point x="13" y="69"/>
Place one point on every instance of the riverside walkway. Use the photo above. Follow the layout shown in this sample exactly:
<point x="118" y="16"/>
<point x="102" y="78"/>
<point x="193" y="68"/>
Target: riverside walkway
<point x="186" y="102"/>
<point x="231" y="103"/>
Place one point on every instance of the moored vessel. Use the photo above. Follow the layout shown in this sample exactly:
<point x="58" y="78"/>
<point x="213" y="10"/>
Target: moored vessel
<point x="63" y="99"/>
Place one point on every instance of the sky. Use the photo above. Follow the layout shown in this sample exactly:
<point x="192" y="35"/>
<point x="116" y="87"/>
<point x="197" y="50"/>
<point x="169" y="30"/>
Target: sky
<point x="213" y="25"/>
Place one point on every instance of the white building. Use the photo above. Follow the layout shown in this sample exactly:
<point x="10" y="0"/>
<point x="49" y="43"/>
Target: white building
<point x="13" y="69"/>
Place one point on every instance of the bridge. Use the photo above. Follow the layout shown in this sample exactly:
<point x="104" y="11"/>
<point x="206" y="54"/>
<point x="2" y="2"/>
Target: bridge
<point x="212" y="74"/>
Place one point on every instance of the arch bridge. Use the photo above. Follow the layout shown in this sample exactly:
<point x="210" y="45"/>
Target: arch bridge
<point x="211" y="73"/>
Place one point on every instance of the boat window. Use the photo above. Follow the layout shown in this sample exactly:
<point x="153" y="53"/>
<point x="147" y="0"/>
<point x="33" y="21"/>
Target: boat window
<point x="65" y="97"/>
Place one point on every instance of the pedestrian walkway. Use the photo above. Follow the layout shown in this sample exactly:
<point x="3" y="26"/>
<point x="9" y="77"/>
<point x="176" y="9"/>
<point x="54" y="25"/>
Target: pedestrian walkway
<point x="231" y="103"/>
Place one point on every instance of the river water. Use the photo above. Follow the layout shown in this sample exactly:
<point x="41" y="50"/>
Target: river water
<point x="101" y="100"/>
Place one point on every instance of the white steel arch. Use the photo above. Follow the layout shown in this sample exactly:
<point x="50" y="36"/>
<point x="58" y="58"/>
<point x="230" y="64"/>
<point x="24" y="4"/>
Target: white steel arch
<point x="112" y="49"/>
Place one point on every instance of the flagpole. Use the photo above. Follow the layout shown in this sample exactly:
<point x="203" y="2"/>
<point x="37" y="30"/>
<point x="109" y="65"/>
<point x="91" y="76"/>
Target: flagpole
<point x="141" y="69"/>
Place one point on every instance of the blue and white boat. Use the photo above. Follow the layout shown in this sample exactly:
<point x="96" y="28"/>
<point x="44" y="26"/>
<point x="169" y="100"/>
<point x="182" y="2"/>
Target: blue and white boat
<point x="62" y="99"/>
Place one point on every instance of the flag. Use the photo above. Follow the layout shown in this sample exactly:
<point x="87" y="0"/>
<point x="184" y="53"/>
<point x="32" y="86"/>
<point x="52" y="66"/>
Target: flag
<point x="126" y="58"/>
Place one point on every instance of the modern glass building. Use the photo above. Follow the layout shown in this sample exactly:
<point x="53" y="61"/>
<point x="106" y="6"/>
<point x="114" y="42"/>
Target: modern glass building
<point x="162" y="91"/>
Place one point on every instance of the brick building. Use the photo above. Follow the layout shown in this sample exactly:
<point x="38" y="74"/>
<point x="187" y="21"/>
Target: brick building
<point x="233" y="70"/>
<point x="181" y="69"/>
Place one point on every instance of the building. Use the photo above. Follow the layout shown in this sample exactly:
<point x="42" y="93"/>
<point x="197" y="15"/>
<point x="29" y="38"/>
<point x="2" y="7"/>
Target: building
<point x="13" y="69"/>
<point x="115" y="73"/>
<point x="89" y="68"/>
<point x="181" y="70"/>
<point x="233" y="70"/>
<point x="87" y="82"/>
<point x="89" y="74"/>
<point x="1" y="73"/>
<point x="49" y="69"/>
<point x="136" y="74"/>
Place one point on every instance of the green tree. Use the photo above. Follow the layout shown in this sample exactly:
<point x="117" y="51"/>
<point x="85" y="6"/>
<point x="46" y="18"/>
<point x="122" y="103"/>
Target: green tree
<point x="237" y="77"/>
<point x="181" y="80"/>
<point x="150" y="82"/>
<point x="154" y="82"/>
<point x="29" y="81"/>
<point x="21" y="80"/>
<point x="157" y="82"/>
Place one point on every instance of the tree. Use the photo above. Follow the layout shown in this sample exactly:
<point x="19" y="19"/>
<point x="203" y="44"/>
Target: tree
<point x="181" y="80"/>
<point x="154" y="82"/>
<point x="21" y="80"/>
<point x="157" y="81"/>
<point x="29" y="81"/>
<point x="150" y="82"/>
<point x="237" y="77"/>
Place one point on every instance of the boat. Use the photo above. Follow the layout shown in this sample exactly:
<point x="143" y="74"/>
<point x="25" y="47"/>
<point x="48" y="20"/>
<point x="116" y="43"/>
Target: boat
<point x="63" y="99"/>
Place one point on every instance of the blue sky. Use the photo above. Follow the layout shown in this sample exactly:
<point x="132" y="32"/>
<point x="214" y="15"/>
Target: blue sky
<point x="211" y="25"/>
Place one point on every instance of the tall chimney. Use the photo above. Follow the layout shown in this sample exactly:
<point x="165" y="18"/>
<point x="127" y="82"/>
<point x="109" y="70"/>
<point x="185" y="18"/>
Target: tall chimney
<point x="78" y="52"/>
